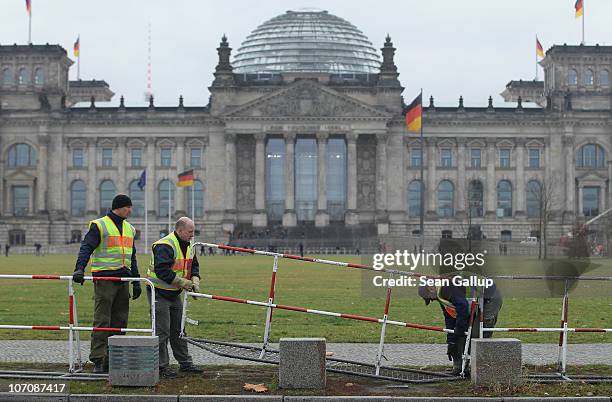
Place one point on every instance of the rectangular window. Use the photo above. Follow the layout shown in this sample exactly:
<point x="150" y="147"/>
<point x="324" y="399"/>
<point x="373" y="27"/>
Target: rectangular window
<point x="446" y="158"/>
<point x="504" y="158"/>
<point x="166" y="157"/>
<point x="195" y="157"/>
<point x="415" y="157"/>
<point x="136" y="157"/>
<point x="590" y="201"/>
<point x="21" y="200"/>
<point x="107" y="157"/>
<point x="77" y="157"/>
<point x="475" y="157"/>
<point x="534" y="158"/>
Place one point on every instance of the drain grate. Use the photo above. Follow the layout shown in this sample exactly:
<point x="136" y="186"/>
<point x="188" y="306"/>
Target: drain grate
<point x="251" y="353"/>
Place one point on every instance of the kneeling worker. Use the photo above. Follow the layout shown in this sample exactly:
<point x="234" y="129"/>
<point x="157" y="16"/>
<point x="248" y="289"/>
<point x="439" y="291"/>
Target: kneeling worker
<point x="173" y="267"/>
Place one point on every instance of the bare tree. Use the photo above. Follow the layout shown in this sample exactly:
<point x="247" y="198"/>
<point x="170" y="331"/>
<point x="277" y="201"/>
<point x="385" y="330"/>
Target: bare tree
<point x="543" y="195"/>
<point x="473" y="204"/>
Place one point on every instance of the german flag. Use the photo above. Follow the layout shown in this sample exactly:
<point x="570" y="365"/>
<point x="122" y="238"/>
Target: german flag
<point x="579" y="6"/>
<point x="29" y="7"/>
<point x="77" y="47"/>
<point x="539" y="48"/>
<point x="185" y="179"/>
<point x="413" y="114"/>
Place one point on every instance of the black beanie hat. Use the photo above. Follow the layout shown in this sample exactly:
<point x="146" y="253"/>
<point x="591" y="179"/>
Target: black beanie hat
<point x="120" y="201"/>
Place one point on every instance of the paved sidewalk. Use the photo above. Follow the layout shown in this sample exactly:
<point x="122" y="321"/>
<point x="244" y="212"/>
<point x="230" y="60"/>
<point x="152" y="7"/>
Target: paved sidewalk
<point x="408" y="354"/>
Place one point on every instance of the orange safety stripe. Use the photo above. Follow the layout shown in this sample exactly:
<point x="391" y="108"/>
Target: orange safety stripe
<point x="120" y="241"/>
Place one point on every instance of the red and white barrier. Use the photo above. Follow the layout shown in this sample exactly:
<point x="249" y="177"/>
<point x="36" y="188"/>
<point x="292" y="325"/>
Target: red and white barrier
<point x="563" y="330"/>
<point x="73" y="328"/>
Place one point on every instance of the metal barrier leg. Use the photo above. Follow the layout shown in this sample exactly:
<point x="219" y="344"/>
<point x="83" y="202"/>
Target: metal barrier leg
<point x="468" y="338"/>
<point x="381" y="344"/>
<point x="77" y="338"/>
<point x="269" y="309"/>
<point x="70" y="324"/>
<point x="184" y="316"/>
<point x="565" y="332"/>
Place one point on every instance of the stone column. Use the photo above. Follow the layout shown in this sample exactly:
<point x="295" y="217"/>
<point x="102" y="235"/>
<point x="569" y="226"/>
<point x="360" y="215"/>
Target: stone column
<point x="351" y="217"/>
<point x="609" y="197"/>
<point x="42" y="170"/>
<point x="289" y="217"/>
<point x="3" y="201"/>
<point x="580" y="211"/>
<point x="181" y="204"/>
<point x="569" y="175"/>
<point x="260" y="218"/>
<point x="431" y="186"/>
<point x="521" y="190"/>
<point x="152" y="180"/>
<point x="491" y="161"/>
<point x="122" y="184"/>
<point x="92" y="179"/>
<point x="461" y="201"/>
<point x="229" y="178"/>
<point x="55" y="175"/>
<point x="381" y="177"/>
<point x="322" y="217"/>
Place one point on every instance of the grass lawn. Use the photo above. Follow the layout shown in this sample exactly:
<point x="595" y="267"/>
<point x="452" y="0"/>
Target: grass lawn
<point x="28" y="302"/>
<point x="229" y="380"/>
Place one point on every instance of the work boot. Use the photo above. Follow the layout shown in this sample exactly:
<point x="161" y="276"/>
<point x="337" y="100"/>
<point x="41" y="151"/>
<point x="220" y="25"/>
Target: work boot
<point x="100" y="367"/>
<point x="458" y="356"/>
<point x="190" y="369"/>
<point x="167" y="372"/>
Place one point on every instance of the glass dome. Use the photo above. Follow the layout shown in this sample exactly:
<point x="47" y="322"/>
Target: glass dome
<point x="306" y="41"/>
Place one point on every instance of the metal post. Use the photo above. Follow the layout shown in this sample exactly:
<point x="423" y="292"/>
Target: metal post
<point x="381" y="344"/>
<point x="565" y="332"/>
<point x="70" y="323"/>
<point x="184" y="316"/>
<point x="468" y="338"/>
<point x="269" y="309"/>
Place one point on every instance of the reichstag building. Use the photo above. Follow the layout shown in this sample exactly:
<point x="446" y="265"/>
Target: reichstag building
<point x="304" y="138"/>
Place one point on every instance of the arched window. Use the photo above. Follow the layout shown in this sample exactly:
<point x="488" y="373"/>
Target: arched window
<point x="446" y="198"/>
<point x="475" y="197"/>
<point x="7" y="76"/>
<point x="137" y="197"/>
<point x="39" y="77"/>
<point x="198" y="198"/>
<point x="107" y="193"/>
<point x="78" y="198"/>
<point x="504" y="199"/>
<point x="604" y="78"/>
<point x="166" y="197"/>
<point x="275" y="179"/>
<point x="572" y="77"/>
<point x="24" y="76"/>
<point x="588" y="78"/>
<point x="21" y="155"/>
<point x="414" y="199"/>
<point x="590" y="156"/>
<point x="534" y="195"/>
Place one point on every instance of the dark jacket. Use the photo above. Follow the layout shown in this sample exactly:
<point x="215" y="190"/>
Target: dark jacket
<point x="90" y="243"/>
<point x="164" y="260"/>
<point x="455" y="295"/>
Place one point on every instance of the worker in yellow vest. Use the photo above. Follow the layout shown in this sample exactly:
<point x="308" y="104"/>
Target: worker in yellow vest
<point x="110" y="244"/>
<point x="174" y="267"/>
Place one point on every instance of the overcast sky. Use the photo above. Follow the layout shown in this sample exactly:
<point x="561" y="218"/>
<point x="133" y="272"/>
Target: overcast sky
<point x="448" y="47"/>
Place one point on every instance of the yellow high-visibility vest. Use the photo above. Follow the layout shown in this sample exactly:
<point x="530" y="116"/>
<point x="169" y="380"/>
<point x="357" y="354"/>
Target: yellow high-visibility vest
<point x="182" y="263"/>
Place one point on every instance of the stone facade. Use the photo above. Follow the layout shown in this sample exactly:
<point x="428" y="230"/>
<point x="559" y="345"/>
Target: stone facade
<point x="245" y="111"/>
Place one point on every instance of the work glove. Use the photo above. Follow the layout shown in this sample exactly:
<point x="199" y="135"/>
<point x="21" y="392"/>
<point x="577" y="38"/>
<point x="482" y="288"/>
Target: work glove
<point x="196" y="284"/>
<point x="136" y="290"/>
<point x="183" y="283"/>
<point x="451" y="350"/>
<point x="78" y="276"/>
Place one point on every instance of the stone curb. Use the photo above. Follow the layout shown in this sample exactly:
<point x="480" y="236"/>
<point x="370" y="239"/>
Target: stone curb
<point x="13" y="397"/>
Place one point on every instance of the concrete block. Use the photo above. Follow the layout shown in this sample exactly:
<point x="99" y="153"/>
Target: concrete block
<point x="302" y="363"/>
<point x="231" y="398"/>
<point x="15" y="397"/>
<point x="122" y="398"/>
<point x="496" y="361"/>
<point x="133" y="361"/>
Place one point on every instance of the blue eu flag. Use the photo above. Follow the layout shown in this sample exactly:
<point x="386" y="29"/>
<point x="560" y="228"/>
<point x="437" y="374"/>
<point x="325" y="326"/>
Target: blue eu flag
<point x="142" y="181"/>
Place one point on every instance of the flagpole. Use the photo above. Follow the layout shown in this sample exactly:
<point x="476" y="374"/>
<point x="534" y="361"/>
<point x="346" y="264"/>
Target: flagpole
<point x="169" y="201"/>
<point x="30" y="25"/>
<point x="193" y="202"/>
<point x="422" y="200"/>
<point x="583" y="23"/>
<point x="146" y="214"/>
<point x="536" y="58"/>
